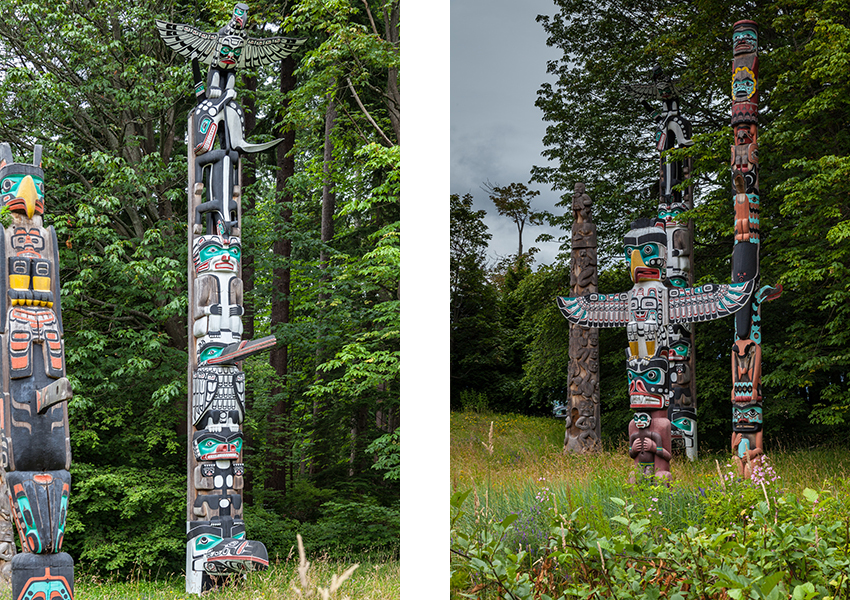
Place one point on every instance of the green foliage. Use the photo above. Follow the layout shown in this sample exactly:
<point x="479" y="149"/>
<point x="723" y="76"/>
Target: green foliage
<point x="354" y="527"/>
<point x="387" y="451"/>
<point x="785" y="547"/>
<point x="125" y="517"/>
<point x="473" y="401"/>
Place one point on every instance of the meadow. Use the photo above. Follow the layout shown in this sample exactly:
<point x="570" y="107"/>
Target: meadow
<point x="531" y="522"/>
<point x="377" y="577"/>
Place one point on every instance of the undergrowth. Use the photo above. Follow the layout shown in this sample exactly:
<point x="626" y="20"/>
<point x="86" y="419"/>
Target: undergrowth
<point x="556" y="526"/>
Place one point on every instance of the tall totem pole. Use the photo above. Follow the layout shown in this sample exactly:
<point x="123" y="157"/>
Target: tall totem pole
<point x="215" y="530"/>
<point x="35" y="449"/>
<point x="746" y="351"/>
<point x="674" y="131"/>
<point x="582" y="412"/>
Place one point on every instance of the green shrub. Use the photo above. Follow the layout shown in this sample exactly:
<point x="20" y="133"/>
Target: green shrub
<point x="353" y="527"/>
<point x="122" y="517"/>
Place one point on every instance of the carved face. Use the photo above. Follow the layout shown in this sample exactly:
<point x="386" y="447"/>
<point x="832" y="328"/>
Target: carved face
<point x="746" y="417"/>
<point x="649" y="385"/>
<point x="229" y="51"/>
<point x="222" y="445"/>
<point x="204" y="537"/>
<point x="646" y="250"/>
<point x="22" y="189"/>
<point x="642" y="420"/>
<point x="744" y="38"/>
<point x="240" y="16"/>
<point x="27" y="241"/>
<point x="743" y="84"/>
<point x="216" y="254"/>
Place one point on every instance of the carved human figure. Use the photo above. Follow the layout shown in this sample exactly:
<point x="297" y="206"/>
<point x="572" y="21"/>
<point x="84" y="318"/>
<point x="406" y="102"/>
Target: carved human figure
<point x="649" y="443"/>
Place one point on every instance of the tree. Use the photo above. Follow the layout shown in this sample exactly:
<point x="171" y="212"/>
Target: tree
<point x="514" y="201"/>
<point x="474" y="317"/>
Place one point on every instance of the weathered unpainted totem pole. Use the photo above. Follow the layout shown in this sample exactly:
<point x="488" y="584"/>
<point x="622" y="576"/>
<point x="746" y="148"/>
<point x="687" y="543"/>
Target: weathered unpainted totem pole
<point x="648" y="311"/>
<point x="674" y="131"/>
<point x="746" y="351"/>
<point x="35" y="449"/>
<point x="583" y="414"/>
<point x="215" y="530"/>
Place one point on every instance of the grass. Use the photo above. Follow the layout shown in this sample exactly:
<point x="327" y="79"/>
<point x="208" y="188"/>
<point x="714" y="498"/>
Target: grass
<point x="527" y="450"/>
<point x="375" y="579"/>
<point x="515" y="464"/>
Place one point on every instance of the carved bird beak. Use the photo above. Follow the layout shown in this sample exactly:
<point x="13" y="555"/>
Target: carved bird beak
<point x="635" y="261"/>
<point x="27" y="191"/>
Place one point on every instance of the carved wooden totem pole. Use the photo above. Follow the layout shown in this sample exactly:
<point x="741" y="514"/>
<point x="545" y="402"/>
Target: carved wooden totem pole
<point x="648" y="312"/>
<point x="746" y="351"/>
<point x="583" y="414"/>
<point x="36" y="450"/>
<point x="674" y="131"/>
<point x="215" y="530"/>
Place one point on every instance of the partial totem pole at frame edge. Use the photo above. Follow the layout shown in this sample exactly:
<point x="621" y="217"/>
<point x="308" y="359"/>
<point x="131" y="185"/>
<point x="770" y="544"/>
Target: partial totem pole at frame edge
<point x="674" y="131"/>
<point x="215" y="531"/>
<point x="36" y="450"/>
<point x="746" y="350"/>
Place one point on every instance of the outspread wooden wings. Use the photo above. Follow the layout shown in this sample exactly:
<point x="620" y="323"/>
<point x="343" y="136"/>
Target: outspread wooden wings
<point x="708" y="302"/>
<point x="191" y="42"/>
<point x="651" y="91"/>
<point x="188" y="41"/>
<point x="686" y="305"/>
<point x="596" y="310"/>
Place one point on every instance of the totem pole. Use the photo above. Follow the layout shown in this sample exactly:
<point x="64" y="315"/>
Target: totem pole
<point x="35" y="449"/>
<point x="215" y="530"/>
<point x="648" y="311"/>
<point x="674" y="131"/>
<point x="746" y="351"/>
<point x="583" y="414"/>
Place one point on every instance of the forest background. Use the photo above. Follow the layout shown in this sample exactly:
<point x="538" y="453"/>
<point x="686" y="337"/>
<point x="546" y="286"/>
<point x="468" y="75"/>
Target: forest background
<point x="94" y="84"/>
<point x="509" y="343"/>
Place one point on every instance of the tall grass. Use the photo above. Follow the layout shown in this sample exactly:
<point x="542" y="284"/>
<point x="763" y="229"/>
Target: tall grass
<point x="521" y="469"/>
<point x="375" y="578"/>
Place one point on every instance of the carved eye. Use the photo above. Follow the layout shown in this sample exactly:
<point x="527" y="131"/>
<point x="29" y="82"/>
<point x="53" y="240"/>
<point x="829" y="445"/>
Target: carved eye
<point x="7" y="185"/>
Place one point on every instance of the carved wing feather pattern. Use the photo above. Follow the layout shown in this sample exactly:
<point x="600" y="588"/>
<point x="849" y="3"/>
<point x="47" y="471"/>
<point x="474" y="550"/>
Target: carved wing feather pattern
<point x="709" y="302"/>
<point x="596" y="310"/>
<point x="189" y="41"/>
<point x="265" y="51"/>
<point x="204" y="386"/>
<point x="643" y="91"/>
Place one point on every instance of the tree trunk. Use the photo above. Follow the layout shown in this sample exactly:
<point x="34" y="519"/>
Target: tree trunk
<point x="282" y="249"/>
<point x="327" y="234"/>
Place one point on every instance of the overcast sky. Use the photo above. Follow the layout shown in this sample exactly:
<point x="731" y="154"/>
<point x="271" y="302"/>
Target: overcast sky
<point x="498" y="62"/>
